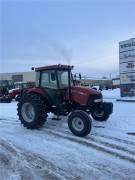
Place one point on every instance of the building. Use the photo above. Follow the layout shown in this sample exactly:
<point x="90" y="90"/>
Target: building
<point x="116" y="82"/>
<point x="127" y="67"/>
<point x="103" y="83"/>
<point x="19" y="76"/>
<point x="31" y="76"/>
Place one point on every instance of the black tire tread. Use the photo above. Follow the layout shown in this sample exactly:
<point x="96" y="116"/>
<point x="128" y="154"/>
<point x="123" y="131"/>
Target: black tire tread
<point x="87" y="121"/>
<point x="42" y="115"/>
<point x="103" y="118"/>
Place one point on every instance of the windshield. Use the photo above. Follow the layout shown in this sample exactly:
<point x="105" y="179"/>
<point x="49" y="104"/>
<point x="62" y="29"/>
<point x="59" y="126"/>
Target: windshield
<point x="63" y="79"/>
<point x="18" y="85"/>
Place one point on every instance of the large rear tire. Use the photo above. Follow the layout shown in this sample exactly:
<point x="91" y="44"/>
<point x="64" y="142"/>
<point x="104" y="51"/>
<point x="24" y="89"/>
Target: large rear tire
<point x="79" y="123"/>
<point x="32" y="111"/>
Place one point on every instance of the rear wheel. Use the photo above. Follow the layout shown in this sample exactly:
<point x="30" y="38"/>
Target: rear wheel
<point x="79" y="123"/>
<point x="32" y="111"/>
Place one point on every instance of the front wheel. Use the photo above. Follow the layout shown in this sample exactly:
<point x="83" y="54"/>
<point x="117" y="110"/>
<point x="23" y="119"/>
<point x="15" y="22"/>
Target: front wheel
<point x="102" y="113"/>
<point x="100" y="116"/>
<point x="79" y="123"/>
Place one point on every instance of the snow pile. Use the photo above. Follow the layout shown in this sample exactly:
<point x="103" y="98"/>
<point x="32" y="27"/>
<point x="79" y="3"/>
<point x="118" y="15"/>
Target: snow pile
<point x="8" y="110"/>
<point x="111" y="94"/>
<point x="122" y="120"/>
<point x="115" y="94"/>
<point x="13" y="166"/>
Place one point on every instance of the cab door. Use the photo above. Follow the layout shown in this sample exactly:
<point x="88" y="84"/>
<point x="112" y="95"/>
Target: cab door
<point x="49" y="82"/>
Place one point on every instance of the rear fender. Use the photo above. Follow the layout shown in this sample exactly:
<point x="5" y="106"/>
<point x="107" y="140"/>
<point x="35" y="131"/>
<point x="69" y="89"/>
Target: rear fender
<point x="36" y="90"/>
<point x="40" y="92"/>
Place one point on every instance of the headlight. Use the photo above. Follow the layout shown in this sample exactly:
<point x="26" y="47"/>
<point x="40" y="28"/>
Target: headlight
<point x="98" y="100"/>
<point x="10" y="91"/>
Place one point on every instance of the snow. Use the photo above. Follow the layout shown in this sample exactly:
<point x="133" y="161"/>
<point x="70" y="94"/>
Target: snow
<point x="16" y="164"/>
<point x="11" y="90"/>
<point x="111" y="94"/>
<point x="12" y="163"/>
<point x="53" y="152"/>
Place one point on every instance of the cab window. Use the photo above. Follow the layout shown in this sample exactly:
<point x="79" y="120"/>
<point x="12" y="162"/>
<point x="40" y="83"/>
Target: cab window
<point x="48" y="79"/>
<point x="63" y="79"/>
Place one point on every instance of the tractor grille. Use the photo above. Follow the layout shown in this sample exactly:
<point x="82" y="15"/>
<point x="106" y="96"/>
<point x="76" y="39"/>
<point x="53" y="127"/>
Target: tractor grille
<point x="92" y="98"/>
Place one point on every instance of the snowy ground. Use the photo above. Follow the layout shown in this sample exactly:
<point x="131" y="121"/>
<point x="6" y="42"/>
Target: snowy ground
<point x="52" y="152"/>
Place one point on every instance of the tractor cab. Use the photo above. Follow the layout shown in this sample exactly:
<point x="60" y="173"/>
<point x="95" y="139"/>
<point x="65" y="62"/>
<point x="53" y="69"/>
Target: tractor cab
<point x="56" y="81"/>
<point x="55" y="77"/>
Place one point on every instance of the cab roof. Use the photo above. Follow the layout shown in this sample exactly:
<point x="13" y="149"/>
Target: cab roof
<point x="54" y="67"/>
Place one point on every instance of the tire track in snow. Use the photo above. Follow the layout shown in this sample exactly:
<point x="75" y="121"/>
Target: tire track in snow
<point x="47" y="168"/>
<point x="114" y="138"/>
<point x="102" y="141"/>
<point x="114" y="146"/>
<point x="17" y="163"/>
<point x="65" y="130"/>
<point x="93" y="144"/>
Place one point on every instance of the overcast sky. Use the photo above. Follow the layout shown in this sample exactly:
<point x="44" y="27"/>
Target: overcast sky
<point x="83" y="33"/>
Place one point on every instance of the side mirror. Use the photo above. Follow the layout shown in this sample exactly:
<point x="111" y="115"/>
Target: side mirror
<point x="80" y="76"/>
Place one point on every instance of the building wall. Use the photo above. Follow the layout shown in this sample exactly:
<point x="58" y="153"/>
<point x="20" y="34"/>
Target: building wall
<point x="29" y="76"/>
<point x="116" y="82"/>
<point x="5" y="76"/>
<point x="93" y="82"/>
<point x="18" y="76"/>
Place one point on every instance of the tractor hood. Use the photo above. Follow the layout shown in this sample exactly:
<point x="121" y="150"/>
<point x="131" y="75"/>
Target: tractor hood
<point x="82" y="94"/>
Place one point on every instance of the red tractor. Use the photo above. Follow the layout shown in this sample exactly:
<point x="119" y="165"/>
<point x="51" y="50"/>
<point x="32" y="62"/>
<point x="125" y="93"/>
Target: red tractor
<point x="5" y="86"/>
<point x="56" y="93"/>
<point x="18" y="86"/>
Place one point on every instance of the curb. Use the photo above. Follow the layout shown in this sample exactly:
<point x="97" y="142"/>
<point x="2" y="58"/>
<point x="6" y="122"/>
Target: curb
<point x="126" y="100"/>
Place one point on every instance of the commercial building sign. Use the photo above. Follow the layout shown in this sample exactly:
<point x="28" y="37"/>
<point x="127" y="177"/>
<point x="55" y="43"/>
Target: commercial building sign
<point x="127" y="67"/>
<point x="127" y="78"/>
<point x="127" y="56"/>
<point x="127" y="45"/>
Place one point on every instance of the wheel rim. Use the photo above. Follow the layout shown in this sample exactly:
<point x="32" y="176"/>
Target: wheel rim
<point x="99" y="114"/>
<point x="77" y="124"/>
<point x="28" y="112"/>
